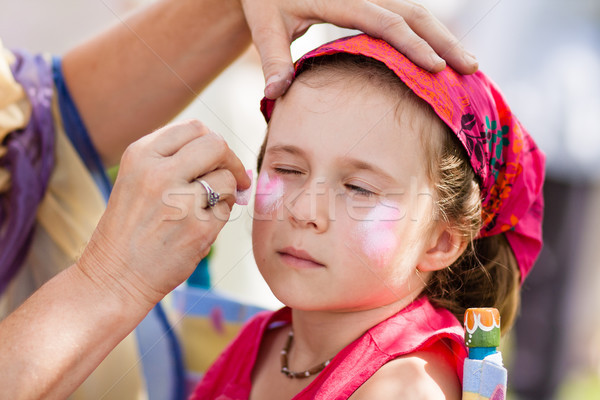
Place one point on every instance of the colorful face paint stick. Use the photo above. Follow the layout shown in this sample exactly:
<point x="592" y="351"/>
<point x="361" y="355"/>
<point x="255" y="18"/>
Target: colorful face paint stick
<point x="484" y="375"/>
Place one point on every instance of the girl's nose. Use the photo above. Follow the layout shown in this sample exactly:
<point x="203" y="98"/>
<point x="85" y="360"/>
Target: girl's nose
<point x="309" y="206"/>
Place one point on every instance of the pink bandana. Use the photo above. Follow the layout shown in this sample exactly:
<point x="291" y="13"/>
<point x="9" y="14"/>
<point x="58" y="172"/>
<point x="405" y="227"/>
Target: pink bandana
<point x="502" y="153"/>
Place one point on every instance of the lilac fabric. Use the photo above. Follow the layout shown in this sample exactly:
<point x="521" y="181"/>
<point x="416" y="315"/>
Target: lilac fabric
<point x="29" y="160"/>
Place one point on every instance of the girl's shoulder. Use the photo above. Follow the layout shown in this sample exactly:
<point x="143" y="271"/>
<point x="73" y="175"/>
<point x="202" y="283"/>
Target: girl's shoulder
<point x="426" y="374"/>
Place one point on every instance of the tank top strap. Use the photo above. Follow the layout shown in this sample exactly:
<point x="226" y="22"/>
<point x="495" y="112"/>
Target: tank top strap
<point x="416" y="327"/>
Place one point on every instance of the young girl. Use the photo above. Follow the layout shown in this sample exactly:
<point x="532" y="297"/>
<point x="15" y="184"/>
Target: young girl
<point x="389" y="200"/>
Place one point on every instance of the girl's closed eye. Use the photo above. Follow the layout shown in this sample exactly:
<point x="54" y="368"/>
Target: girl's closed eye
<point x="287" y="171"/>
<point x="361" y="190"/>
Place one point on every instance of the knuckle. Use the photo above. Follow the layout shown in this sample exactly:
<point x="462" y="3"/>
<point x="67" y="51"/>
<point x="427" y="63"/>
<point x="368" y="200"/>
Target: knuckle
<point x="196" y="126"/>
<point x="131" y="154"/>
<point x="220" y="146"/>
<point x="392" y="22"/>
<point x="419" y="13"/>
<point x="264" y="31"/>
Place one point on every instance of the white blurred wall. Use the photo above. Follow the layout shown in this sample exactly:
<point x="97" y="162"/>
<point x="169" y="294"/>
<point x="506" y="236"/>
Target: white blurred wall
<point x="57" y="25"/>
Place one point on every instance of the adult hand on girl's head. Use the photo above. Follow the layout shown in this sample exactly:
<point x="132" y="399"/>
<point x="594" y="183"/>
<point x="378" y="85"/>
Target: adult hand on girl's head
<point x="156" y="228"/>
<point x="408" y="26"/>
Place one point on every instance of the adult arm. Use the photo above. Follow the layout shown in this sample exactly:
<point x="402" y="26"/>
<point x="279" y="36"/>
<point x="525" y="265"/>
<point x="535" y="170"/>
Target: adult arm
<point x="140" y="73"/>
<point x="154" y="232"/>
<point x="52" y="342"/>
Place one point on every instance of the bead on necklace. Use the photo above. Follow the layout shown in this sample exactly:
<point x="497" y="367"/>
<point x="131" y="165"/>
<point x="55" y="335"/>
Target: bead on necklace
<point x="301" y="374"/>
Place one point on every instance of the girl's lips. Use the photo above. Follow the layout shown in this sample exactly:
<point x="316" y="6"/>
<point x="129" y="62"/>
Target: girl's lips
<point x="298" y="258"/>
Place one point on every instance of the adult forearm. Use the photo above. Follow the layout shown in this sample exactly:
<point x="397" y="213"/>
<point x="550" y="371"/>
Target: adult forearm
<point x="52" y="342"/>
<point x="140" y="73"/>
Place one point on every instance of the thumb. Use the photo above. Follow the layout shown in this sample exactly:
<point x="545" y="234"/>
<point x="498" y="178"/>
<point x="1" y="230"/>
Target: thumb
<point x="273" y="44"/>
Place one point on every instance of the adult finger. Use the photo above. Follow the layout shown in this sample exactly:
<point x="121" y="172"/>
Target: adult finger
<point x="273" y="44"/>
<point x="391" y="26"/>
<point x="407" y="26"/>
<point x="216" y="216"/>
<point x="212" y="219"/>
<point x="208" y="153"/>
<point x="169" y="139"/>
<point x="220" y="182"/>
<point x="433" y="32"/>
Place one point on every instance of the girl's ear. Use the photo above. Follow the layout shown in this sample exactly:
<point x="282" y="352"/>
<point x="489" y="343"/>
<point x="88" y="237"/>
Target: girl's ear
<point x="446" y="246"/>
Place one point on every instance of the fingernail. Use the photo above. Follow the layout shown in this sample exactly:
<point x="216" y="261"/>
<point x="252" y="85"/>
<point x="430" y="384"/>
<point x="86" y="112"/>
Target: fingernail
<point x="437" y="63"/>
<point x="469" y="59"/>
<point x="273" y="86"/>
<point x="277" y="84"/>
<point x="242" y="197"/>
<point x="272" y="79"/>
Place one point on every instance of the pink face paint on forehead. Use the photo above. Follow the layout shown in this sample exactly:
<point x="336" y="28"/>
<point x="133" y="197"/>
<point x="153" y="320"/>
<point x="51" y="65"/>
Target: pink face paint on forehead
<point x="269" y="193"/>
<point x="376" y="234"/>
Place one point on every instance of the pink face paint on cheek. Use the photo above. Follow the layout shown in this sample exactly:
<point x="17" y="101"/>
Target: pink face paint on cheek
<point x="377" y="234"/>
<point x="269" y="193"/>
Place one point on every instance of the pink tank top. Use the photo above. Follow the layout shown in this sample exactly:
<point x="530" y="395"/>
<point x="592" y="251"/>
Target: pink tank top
<point x="414" y="328"/>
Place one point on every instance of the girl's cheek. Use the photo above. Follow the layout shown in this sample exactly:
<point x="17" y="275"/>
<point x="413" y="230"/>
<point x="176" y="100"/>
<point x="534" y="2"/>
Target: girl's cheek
<point x="269" y="193"/>
<point x="376" y="234"/>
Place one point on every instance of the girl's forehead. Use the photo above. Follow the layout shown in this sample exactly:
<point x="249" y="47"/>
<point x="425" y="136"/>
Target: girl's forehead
<point x="345" y="120"/>
<point x="350" y="106"/>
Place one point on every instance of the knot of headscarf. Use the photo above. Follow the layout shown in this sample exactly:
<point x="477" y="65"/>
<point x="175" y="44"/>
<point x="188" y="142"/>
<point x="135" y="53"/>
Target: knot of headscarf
<point x="28" y="157"/>
<point x="502" y="153"/>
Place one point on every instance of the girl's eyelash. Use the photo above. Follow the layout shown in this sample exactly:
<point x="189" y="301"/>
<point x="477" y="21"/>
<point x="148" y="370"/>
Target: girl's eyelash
<point x="287" y="171"/>
<point x="360" y="190"/>
<point x="357" y="189"/>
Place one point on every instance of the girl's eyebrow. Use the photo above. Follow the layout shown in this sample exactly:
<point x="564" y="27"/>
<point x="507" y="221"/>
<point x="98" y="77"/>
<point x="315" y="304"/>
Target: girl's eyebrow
<point x="366" y="166"/>
<point x="285" y="148"/>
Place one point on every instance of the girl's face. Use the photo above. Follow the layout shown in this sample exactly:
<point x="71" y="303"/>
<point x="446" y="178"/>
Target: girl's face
<point x="344" y="208"/>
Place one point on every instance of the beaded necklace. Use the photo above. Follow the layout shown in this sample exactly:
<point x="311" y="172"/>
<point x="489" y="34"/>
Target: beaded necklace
<point x="301" y="374"/>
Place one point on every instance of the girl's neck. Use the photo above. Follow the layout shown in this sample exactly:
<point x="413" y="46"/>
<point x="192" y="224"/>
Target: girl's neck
<point x="320" y="335"/>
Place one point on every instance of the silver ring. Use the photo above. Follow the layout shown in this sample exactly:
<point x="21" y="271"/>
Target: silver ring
<point x="212" y="197"/>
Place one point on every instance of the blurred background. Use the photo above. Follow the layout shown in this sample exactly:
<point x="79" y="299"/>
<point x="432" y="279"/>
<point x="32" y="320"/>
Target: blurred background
<point x="544" y="54"/>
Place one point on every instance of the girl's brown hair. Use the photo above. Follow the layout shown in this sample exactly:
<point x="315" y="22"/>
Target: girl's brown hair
<point x="486" y="274"/>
